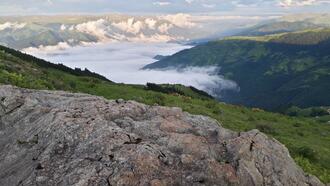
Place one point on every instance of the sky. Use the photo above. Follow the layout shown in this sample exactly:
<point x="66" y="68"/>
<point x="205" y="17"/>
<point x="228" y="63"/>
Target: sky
<point x="32" y="7"/>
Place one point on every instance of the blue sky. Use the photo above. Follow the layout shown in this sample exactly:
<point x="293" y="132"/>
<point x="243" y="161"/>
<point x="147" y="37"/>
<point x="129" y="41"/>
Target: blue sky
<point x="25" y="7"/>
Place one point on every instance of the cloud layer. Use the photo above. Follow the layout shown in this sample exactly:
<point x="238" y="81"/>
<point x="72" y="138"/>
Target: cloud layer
<point x="11" y="26"/>
<point x="147" y="29"/>
<point x="121" y="62"/>
<point x="80" y="30"/>
<point x="300" y="3"/>
<point x="159" y="6"/>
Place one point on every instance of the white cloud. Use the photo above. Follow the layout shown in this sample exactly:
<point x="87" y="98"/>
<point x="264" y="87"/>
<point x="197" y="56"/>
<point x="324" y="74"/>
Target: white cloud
<point x="151" y="23"/>
<point x="50" y="2"/>
<point x="230" y="17"/>
<point x="97" y="28"/>
<point x="71" y="28"/>
<point x="14" y="26"/>
<point x="162" y="3"/>
<point x="130" y="26"/>
<point x="141" y="38"/>
<point x="63" y="27"/>
<point x="156" y="38"/>
<point x="32" y="7"/>
<point x="297" y="3"/>
<point x="121" y="62"/>
<point x="163" y="28"/>
<point x="209" y="5"/>
<point x="189" y="1"/>
<point x="47" y="49"/>
<point x="180" y="20"/>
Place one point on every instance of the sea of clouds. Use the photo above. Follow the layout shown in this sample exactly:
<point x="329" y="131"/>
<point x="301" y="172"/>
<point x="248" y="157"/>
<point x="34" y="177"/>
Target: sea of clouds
<point x="121" y="62"/>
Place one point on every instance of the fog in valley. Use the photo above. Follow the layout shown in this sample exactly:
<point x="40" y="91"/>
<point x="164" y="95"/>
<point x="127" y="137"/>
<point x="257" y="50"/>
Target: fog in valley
<point x="121" y="62"/>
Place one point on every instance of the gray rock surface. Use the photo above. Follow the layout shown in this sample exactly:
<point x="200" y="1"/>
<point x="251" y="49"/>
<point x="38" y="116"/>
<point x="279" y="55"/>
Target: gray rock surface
<point x="59" y="138"/>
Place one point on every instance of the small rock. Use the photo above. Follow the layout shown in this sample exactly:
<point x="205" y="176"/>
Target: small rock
<point x="119" y="101"/>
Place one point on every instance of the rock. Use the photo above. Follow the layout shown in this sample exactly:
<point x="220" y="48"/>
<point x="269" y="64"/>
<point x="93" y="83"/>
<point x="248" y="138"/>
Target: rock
<point x="59" y="138"/>
<point x="119" y="101"/>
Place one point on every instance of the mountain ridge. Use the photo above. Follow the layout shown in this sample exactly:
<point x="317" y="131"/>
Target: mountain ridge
<point x="283" y="70"/>
<point x="306" y="138"/>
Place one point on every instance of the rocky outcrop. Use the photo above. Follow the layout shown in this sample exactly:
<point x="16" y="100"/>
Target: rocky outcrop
<point x="59" y="138"/>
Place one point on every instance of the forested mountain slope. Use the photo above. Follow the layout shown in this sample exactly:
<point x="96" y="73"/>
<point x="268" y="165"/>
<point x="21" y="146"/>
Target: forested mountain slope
<point x="288" y="23"/>
<point x="273" y="72"/>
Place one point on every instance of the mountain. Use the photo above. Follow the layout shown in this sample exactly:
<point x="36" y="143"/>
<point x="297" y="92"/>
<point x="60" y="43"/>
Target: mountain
<point x="306" y="138"/>
<point x="319" y="19"/>
<point x="288" y="23"/>
<point x="71" y="139"/>
<point x="63" y="31"/>
<point x="60" y="32"/>
<point x="278" y="27"/>
<point x="273" y="72"/>
<point x="40" y="31"/>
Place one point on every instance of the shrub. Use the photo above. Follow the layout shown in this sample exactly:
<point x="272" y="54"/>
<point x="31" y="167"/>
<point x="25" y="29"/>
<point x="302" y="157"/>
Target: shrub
<point x="159" y="99"/>
<point x="251" y="118"/>
<point x="266" y="128"/>
<point x="306" y="152"/>
<point x="73" y="84"/>
<point x="217" y="111"/>
<point x="292" y="111"/>
<point x="297" y="124"/>
<point x="257" y="110"/>
<point x="211" y="104"/>
<point x="319" y="111"/>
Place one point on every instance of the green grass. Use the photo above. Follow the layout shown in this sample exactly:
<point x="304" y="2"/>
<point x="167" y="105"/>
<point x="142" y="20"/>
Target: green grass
<point x="307" y="37"/>
<point x="306" y="138"/>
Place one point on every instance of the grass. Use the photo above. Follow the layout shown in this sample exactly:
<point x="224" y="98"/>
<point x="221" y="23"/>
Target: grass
<point x="306" y="138"/>
<point x="274" y="37"/>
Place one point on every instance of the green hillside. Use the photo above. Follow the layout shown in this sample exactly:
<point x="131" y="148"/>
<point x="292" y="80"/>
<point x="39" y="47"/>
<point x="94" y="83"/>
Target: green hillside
<point x="279" y="27"/>
<point x="289" y="23"/>
<point x="306" y="138"/>
<point x="273" y="72"/>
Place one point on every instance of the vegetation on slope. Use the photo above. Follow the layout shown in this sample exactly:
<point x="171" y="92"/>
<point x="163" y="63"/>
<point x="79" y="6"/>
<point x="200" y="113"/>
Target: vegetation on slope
<point x="305" y="37"/>
<point x="306" y="138"/>
<point x="274" y="72"/>
<point x="289" y="23"/>
<point x="279" y="27"/>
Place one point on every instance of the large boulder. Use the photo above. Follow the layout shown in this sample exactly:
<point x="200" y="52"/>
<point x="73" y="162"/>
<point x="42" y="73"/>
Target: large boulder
<point x="59" y="138"/>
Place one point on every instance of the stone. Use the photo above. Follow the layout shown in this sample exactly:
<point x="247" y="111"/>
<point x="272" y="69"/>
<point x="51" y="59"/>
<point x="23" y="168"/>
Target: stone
<point x="79" y="139"/>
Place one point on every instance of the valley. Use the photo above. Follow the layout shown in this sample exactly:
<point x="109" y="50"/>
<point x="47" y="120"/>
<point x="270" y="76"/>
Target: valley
<point x="306" y="138"/>
<point x="273" y="72"/>
<point x="200" y="98"/>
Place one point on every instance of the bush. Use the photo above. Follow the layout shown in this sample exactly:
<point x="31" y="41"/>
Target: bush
<point x="322" y="173"/>
<point x="292" y="111"/>
<point x="159" y="99"/>
<point x="257" y="110"/>
<point x="217" y="111"/>
<point x="266" y="128"/>
<point x="251" y="118"/>
<point x="297" y="124"/>
<point x="73" y="84"/>
<point x="307" y="152"/>
<point x="211" y="104"/>
<point x="319" y="111"/>
<point x="307" y="112"/>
